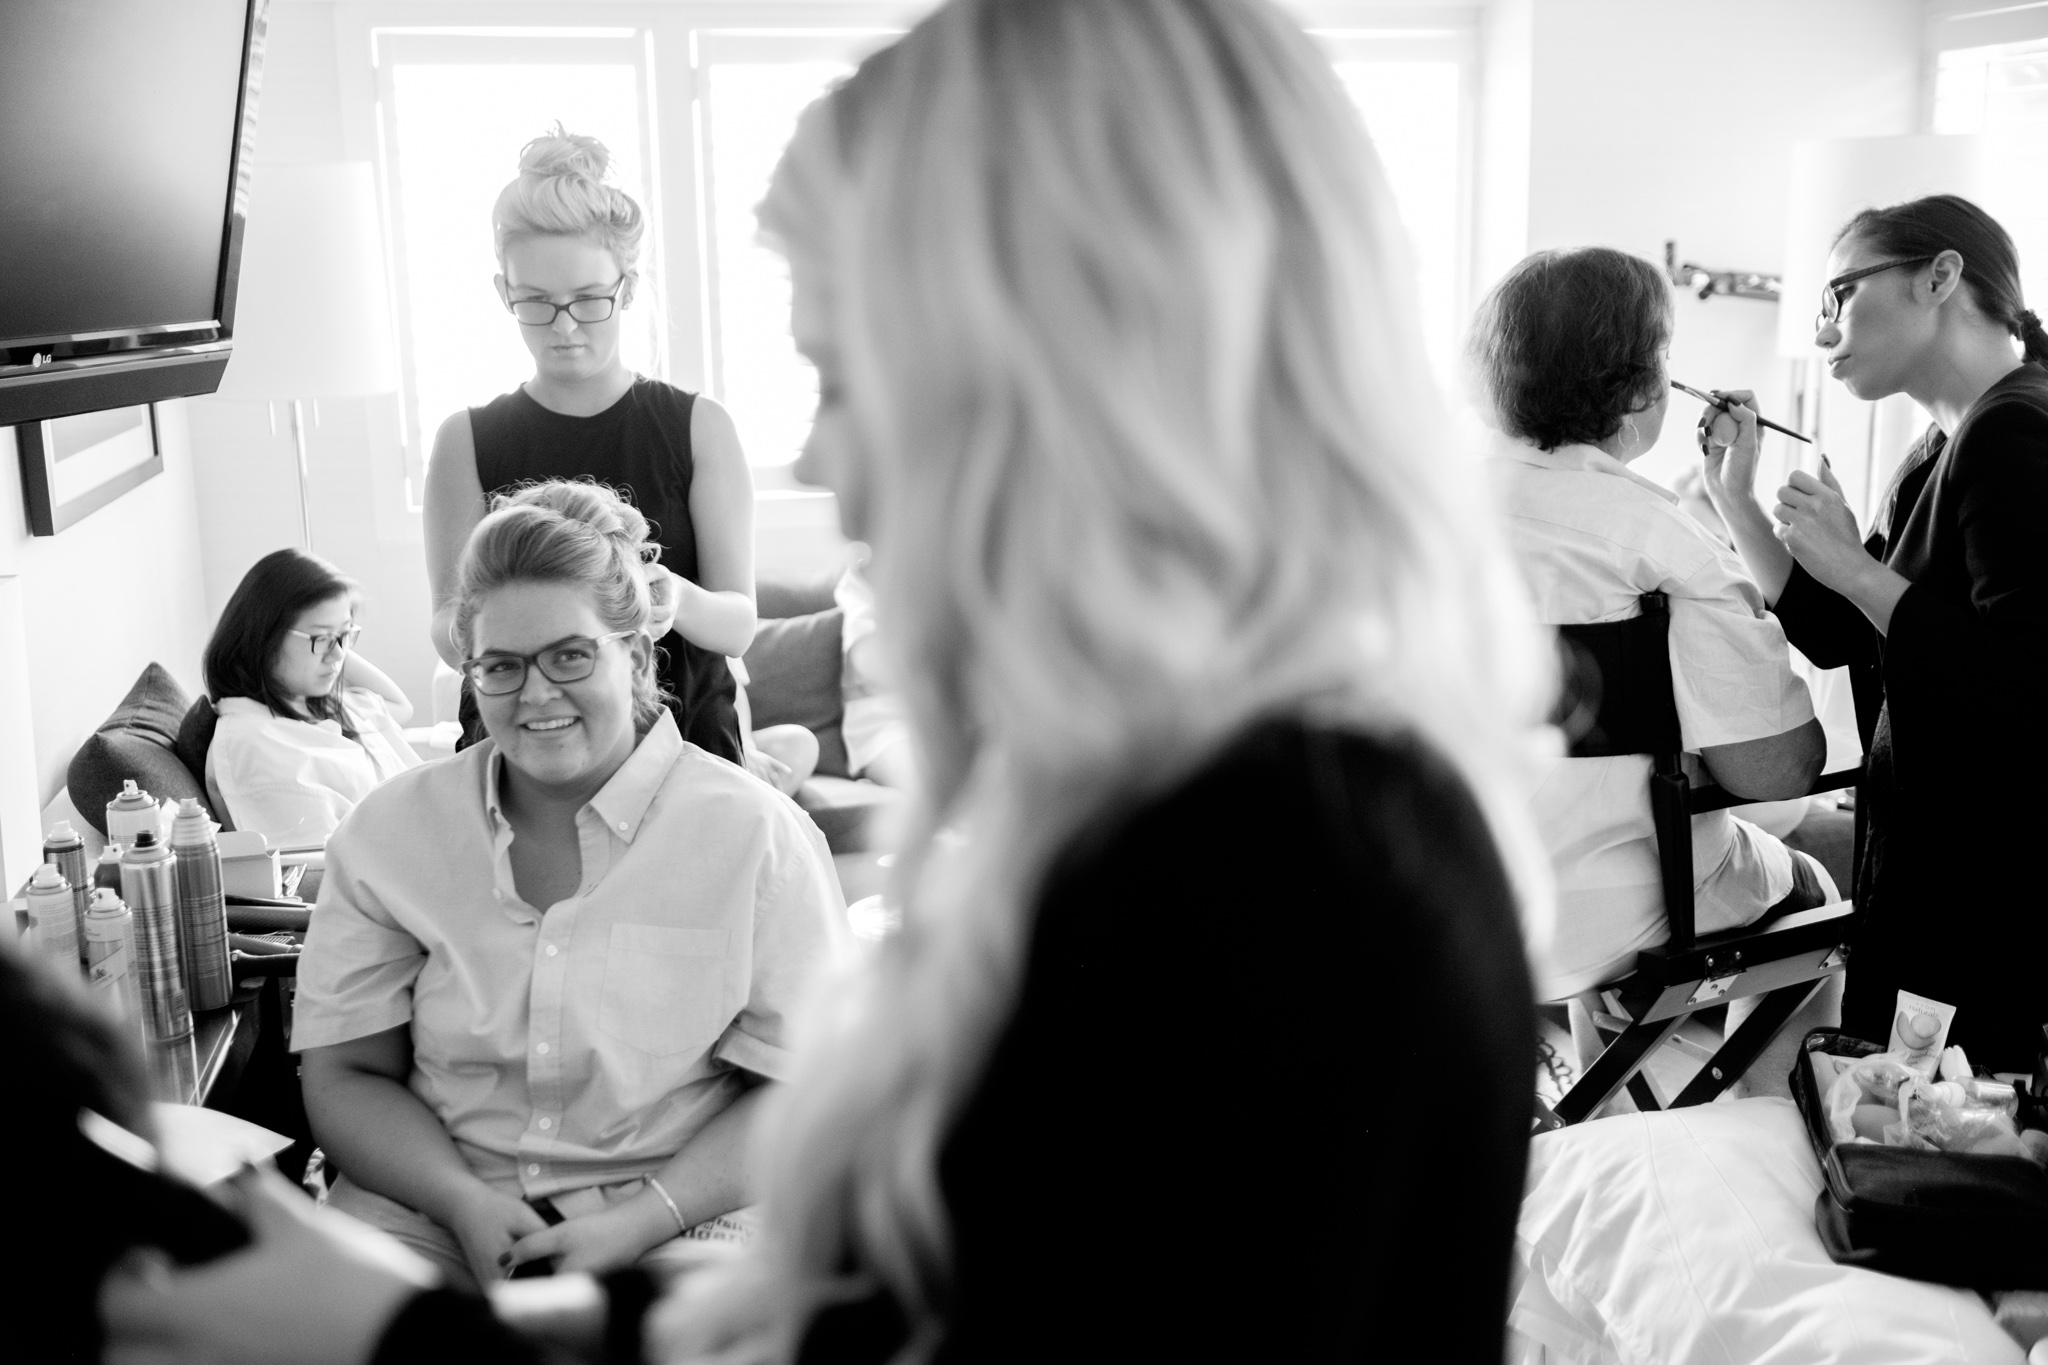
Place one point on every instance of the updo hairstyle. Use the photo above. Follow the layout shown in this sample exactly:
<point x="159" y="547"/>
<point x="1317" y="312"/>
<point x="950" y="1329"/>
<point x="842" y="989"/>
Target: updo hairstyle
<point x="561" y="192"/>
<point x="580" y="533"/>
<point x="1569" y="344"/>
<point x="1991" y="264"/>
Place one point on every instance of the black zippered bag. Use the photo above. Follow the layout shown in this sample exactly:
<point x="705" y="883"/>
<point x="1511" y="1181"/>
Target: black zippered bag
<point x="1950" y="1217"/>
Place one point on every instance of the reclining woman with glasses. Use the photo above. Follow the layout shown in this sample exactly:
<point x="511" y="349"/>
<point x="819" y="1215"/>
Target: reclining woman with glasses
<point x="307" y="725"/>
<point x="547" y="977"/>
<point x="568" y="249"/>
<point x="1940" y="612"/>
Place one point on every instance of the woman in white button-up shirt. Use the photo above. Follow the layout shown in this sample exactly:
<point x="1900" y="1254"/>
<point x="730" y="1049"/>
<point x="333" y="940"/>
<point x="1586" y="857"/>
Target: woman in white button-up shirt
<point x="307" y="726"/>
<point x="547" y="977"/>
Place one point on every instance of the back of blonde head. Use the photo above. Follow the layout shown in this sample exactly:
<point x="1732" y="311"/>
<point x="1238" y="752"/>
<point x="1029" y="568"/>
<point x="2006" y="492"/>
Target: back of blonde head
<point x="562" y="191"/>
<point x="1133" y="360"/>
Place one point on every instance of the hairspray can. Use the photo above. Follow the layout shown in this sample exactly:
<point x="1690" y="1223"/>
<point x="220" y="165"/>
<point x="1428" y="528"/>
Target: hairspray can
<point x="53" y="919"/>
<point x="65" y="850"/>
<point x="110" y="955"/>
<point x="128" y="814"/>
<point x="148" y="885"/>
<point x="107" y="871"/>
<point x="202" y="910"/>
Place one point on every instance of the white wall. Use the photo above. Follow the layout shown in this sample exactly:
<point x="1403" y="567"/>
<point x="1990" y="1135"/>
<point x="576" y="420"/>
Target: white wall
<point x="93" y="606"/>
<point x="1675" y="119"/>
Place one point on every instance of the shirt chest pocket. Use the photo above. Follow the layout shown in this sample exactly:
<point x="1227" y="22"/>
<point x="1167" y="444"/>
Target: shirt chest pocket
<point x="664" y="989"/>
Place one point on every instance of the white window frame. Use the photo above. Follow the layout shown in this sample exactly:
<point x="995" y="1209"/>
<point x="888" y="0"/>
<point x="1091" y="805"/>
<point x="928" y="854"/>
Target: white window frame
<point x="675" y="38"/>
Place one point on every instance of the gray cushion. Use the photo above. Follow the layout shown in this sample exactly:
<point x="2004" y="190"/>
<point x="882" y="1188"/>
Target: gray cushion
<point x="791" y="597"/>
<point x="137" y="741"/>
<point x="793" y="670"/>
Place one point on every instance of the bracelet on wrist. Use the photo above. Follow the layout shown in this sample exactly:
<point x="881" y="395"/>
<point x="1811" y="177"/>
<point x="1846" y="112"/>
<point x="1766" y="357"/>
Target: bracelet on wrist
<point x="655" y="1184"/>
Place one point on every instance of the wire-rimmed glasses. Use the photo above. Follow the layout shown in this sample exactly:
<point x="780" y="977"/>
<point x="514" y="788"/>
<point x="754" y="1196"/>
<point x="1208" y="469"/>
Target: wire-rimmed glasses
<point x="500" y="673"/>
<point x="326" y="644"/>
<point x="1830" y="293"/>
<point x="583" y="308"/>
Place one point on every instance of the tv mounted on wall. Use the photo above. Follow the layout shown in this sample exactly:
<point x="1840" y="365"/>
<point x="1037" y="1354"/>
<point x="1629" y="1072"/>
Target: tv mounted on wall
<point x="124" y="176"/>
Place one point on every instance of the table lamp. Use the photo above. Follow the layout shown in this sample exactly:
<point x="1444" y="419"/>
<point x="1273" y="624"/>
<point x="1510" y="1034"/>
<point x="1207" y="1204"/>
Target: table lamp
<point x="312" y="311"/>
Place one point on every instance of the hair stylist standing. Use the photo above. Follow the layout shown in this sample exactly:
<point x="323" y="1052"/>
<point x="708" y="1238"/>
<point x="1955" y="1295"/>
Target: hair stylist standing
<point x="1941" y="613"/>
<point x="568" y="246"/>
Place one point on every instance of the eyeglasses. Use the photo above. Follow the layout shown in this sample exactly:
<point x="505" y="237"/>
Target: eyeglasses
<point x="1831" y="292"/>
<point x="326" y="646"/>
<point x="584" y="308"/>
<point x="499" y="674"/>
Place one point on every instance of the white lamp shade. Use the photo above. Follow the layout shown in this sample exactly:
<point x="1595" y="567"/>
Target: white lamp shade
<point x="1832" y="181"/>
<point x="312" y="312"/>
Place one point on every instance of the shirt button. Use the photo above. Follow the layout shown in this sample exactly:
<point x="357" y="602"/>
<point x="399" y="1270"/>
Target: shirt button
<point x="622" y="824"/>
<point x="533" y="1169"/>
<point x="542" y="1049"/>
<point x="497" y="895"/>
<point x="547" y="1123"/>
<point x="552" y="950"/>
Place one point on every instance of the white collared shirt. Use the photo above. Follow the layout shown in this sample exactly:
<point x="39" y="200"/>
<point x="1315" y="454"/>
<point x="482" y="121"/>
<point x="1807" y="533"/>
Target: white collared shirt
<point x="295" y="779"/>
<point x="1591" y="536"/>
<point x="587" y="1043"/>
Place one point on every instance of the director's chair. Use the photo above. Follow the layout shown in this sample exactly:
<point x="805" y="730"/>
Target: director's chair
<point x="1618" y="700"/>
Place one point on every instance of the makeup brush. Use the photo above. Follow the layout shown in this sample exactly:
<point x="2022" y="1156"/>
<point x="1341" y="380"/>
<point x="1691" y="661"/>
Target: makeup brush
<point x="1714" y="402"/>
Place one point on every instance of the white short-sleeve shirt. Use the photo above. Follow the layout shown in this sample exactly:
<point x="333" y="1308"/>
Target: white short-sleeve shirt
<point x="1591" y="536"/>
<point x="586" y="1044"/>
<point x="293" y="779"/>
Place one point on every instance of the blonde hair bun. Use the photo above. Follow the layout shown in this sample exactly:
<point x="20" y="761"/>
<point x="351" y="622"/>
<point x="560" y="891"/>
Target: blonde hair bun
<point x="562" y="152"/>
<point x="562" y="191"/>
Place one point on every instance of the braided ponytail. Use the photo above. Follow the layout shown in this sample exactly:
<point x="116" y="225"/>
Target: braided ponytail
<point x="2033" y="338"/>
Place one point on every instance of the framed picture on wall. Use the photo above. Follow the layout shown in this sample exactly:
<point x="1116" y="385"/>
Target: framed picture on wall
<point x="73" y="466"/>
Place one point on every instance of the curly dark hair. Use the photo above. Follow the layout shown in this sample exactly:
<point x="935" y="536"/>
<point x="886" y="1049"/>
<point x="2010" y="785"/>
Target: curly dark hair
<point x="1569" y="344"/>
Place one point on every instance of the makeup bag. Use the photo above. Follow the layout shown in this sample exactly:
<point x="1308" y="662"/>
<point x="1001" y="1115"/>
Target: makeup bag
<point x="1950" y="1217"/>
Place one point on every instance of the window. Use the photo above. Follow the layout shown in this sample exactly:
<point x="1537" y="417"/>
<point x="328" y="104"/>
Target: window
<point x="455" y="110"/>
<point x="2001" y="93"/>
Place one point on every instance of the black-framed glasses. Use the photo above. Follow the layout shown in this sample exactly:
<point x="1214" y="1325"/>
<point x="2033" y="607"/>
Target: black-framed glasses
<point x="500" y="673"/>
<point x="325" y="644"/>
<point x="1831" y="292"/>
<point x="583" y="308"/>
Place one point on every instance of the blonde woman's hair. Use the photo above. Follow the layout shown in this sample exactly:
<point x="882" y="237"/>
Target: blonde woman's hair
<point x="1134" y="368"/>
<point x="562" y="191"/>
<point x="579" y="533"/>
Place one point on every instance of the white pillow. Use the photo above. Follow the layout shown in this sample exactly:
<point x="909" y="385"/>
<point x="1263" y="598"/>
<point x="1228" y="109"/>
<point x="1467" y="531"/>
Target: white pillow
<point x="1687" y="1238"/>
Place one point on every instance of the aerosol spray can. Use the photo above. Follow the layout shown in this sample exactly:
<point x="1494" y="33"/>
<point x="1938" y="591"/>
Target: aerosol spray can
<point x="107" y="872"/>
<point x="202" y="910"/>
<point x="65" y="850"/>
<point x="53" y="919"/>
<point x="110" y="956"/>
<point x="128" y="814"/>
<point x="149" y="887"/>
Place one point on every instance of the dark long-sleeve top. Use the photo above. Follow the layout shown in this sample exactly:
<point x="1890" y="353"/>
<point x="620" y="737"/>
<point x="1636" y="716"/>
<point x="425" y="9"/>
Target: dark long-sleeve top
<point x="1951" y="706"/>
<point x="1265" y="1092"/>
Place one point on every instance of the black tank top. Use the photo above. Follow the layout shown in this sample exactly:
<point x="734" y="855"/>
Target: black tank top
<point x="640" y="447"/>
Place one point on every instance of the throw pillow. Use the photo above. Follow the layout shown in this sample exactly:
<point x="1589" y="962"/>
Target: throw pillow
<point x="793" y="670"/>
<point x="137" y="741"/>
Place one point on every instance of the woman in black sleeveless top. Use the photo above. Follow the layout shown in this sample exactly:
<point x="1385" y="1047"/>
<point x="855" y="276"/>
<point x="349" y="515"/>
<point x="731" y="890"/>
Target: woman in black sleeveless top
<point x="567" y="244"/>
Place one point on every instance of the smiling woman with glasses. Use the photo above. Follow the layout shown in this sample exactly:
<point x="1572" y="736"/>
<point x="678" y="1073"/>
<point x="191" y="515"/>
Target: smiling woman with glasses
<point x="1939" y="608"/>
<point x="568" y="250"/>
<point x="306" y="726"/>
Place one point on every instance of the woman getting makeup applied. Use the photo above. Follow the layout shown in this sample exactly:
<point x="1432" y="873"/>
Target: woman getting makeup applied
<point x="1941" y="613"/>
<point x="1217" y="668"/>
<point x="568" y="246"/>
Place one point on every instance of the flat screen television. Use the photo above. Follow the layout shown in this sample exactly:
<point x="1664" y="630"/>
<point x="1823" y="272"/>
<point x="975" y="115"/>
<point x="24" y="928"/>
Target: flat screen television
<point x="124" y="175"/>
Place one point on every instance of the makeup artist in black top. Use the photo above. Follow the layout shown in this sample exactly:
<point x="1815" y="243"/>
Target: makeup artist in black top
<point x="1941" y="614"/>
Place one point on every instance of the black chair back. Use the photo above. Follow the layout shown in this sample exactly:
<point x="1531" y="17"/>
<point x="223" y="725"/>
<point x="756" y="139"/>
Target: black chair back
<point x="1617" y="700"/>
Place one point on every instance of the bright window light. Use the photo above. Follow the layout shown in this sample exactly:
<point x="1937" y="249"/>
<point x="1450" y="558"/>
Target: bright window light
<point x="1411" y="113"/>
<point x="770" y="390"/>
<point x="2001" y="94"/>
<point x="457" y="133"/>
